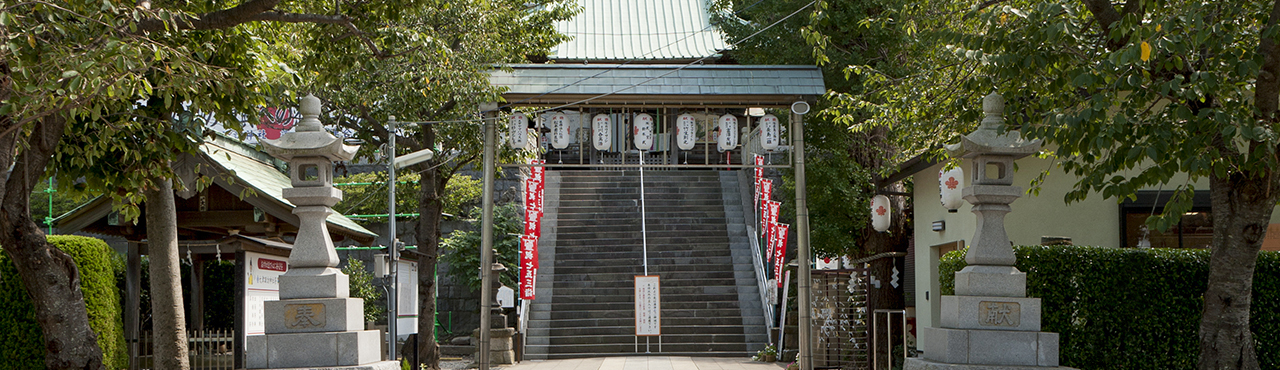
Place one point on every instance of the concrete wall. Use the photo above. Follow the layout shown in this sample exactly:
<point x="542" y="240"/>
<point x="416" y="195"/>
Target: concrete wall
<point x="1094" y="221"/>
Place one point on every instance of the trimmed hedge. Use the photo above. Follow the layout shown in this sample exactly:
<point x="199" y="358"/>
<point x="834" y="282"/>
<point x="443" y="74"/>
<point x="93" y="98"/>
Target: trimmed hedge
<point x="21" y="342"/>
<point x="1132" y="308"/>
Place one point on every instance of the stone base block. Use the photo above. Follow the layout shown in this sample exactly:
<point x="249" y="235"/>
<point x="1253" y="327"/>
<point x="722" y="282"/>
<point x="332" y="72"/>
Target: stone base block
<point x="324" y="283"/>
<point x="312" y="350"/>
<point x="991" y="313"/>
<point x="500" y="346"/>
<point x="991" y="281"/>
<point x="990" y="347"/>
<point x="923" y="364"/>
<point x="314" y="315"/>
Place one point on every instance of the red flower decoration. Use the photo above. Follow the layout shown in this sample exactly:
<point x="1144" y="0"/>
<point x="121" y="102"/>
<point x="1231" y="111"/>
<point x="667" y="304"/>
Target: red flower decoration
<point x="881" y="210"/>
<point x="951" y="182"/>
<point x="273" y="121"/>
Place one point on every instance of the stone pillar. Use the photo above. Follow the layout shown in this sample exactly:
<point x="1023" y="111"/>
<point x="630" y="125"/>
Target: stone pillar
<point x="501" y="350"/>
<point x="316" y="323"/>
<point x="990" y="323"/>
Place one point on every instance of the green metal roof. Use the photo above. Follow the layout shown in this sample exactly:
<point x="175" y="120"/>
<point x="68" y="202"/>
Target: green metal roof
<point x="639" y="30"/>
<point x="250" y="169"/>
<point x="765" y="85"/>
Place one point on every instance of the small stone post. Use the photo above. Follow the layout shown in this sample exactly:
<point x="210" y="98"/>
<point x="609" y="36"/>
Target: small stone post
<point x="990" y="323"/>
<point x="316" y="323"/>
<point x="501" y="349"/>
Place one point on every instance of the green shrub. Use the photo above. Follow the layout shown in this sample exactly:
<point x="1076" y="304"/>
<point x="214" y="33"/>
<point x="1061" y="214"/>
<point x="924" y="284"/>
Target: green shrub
<point x="1132" y="308"/>
<point x="21" y="342"/>
<point x="461" y="250"/>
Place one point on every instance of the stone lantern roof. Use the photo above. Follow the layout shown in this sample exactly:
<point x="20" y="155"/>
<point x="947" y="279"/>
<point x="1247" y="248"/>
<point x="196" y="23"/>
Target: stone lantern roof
<point x="309" y="139"/>
<point x="988" y="138"/>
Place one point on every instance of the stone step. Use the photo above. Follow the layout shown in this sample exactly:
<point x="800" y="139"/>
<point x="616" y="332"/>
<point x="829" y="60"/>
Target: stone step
<point x="637" y="260"/>
<point x="670" y="336"/>
<point x="627" y="349"/>
<point x="654" y="351"/>
<point x="656" y="242"/>
<point x="600" y="314"/>
<point x="630" y="306"/>
<point x="650" y="203"/>
<point x="627" y="297"/>
<point x="691" y="250"/>
<point x="544" y="320"/>
<point x="666" y="289"/>
<point x="634" y="222"/>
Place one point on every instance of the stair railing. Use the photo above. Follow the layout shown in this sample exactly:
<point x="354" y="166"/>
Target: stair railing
<point x="757" y="263"/>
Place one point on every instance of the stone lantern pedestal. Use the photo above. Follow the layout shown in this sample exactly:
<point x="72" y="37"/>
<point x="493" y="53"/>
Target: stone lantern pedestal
<point x="990" y="323"/>
<point x="315" y="324"/>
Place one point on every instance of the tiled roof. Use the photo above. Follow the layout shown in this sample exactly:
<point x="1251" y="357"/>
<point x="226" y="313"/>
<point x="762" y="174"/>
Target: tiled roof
<point x="639" y="30"/>
<point x="534" y="84"/>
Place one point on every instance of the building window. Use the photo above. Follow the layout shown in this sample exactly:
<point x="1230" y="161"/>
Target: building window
<point x="1194" y="230"/>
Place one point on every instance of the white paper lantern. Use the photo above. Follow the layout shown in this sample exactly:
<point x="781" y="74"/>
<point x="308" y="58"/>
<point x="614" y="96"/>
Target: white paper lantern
<point x="950" y="183"/>
<point x="827" y="263"/>
<point x="686" y="131"/>
<point x="769" y="132"/>
<point x="559" y="130"/>
<point x="603" y="127"/>
<point x="643" y="131"/>
<point x="728" y="133"/>
<point x="880" y="213"/>
<point x="518" y="130"/>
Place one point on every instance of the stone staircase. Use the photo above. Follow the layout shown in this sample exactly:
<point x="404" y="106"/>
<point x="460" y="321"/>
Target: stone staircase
<point x="696" y="242"/>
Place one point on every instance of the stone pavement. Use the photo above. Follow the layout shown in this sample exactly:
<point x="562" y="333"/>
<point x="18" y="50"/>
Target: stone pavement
<point x="646" y="363"/>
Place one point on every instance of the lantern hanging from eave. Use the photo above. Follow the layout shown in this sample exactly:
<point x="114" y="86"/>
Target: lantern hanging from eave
<point x="728" y="133"/>
<point x="602" y="126"/>
<point x="950" y="184"/>
<point x="643" y="131"/>
<point x="518" y="129"/>
<point x="880" y="213"/>
<point x="686" y="131"/>
<point x="769" y="132"/>
<point x="559" y="130"/>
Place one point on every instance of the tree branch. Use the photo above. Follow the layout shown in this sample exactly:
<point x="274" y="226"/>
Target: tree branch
<point x="256" y="11"/>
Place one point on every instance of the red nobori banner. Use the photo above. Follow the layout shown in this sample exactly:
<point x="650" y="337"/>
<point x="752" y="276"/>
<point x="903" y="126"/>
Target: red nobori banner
<point x="770" y="218"/>
<point x="533" y="223"/>
<point x="528" y="266"/>
<point x="779" y="261"/>
<point x="766" y="196"/>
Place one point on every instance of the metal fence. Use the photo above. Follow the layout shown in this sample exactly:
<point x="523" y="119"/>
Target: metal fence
<point x="208" y="349"/>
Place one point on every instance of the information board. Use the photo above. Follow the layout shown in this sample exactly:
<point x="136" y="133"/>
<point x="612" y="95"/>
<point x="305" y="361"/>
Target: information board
<point x="406" y="298"/>
<point x="262" y="283"/>
<point x="648" y="306"/>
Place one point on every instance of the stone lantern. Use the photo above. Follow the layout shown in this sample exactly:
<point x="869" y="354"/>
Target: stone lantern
<point x="315" y="324"/>
<point x="990" y="322"/>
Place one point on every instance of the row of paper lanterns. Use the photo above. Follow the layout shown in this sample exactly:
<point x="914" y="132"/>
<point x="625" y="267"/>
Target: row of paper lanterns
<point x="950" y="186"/>
<point x="602" y="126"/>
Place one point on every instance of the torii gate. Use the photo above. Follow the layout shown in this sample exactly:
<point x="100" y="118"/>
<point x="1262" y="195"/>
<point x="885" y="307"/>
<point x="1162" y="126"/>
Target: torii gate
<point x="603" y="86"/>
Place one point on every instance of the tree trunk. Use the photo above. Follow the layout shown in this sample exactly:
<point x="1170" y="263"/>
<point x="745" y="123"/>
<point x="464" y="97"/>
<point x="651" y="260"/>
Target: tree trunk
<point x="430" y="188"/>
<point x="49" y="274"/>
<point x="166" y="286"/>
<point x="1242" y="206"/>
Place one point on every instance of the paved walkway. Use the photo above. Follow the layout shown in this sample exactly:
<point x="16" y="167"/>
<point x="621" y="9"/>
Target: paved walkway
<point x="646" y="363"/>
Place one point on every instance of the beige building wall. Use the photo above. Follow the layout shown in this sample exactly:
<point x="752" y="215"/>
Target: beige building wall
<point x="1094" y="221"/>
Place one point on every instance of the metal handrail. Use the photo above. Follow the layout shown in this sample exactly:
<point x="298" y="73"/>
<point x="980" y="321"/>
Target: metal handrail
<point x="757" y="263"/>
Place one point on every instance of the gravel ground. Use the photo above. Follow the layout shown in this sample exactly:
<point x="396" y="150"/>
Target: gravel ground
<point x="465" y="363"/>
